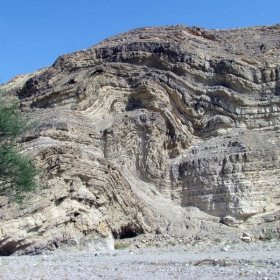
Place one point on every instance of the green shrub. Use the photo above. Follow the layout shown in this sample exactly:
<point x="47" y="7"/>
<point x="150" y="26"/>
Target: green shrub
<point x="17" y="171"/>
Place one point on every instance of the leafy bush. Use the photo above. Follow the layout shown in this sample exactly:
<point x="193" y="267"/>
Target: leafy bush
<point x="17" y="172"/>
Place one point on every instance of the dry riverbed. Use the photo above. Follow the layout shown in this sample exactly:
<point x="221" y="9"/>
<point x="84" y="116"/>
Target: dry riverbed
<point x="258" y="260"/>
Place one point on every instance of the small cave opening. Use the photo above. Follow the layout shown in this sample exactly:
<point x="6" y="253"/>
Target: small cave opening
<point x="11" y="247"/>
<point x="127" y="231"/>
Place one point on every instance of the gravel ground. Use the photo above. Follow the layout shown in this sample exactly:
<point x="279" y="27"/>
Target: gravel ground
<point x="260" y="260"/>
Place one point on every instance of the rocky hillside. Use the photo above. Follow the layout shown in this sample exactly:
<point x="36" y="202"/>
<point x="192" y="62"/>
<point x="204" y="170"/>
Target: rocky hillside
<point x="168" y="131"/>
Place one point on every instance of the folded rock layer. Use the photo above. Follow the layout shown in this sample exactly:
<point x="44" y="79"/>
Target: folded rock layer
<point x="164" y="130"/>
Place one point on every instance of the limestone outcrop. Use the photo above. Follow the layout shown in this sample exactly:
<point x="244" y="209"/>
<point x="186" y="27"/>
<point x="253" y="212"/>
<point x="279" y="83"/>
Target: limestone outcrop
<point x="164" y="130"/>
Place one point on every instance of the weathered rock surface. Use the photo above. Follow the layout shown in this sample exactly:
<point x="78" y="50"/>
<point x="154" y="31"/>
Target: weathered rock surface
<point x="171" y="130"/>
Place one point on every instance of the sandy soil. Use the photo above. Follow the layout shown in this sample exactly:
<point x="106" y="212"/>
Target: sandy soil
<point x="260" y="260"/>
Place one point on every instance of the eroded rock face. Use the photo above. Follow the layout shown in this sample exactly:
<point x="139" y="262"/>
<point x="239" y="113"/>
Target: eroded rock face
<point x="137" y="131"/>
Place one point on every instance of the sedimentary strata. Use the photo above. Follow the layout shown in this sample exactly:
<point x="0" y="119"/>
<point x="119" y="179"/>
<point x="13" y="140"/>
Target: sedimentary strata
<point x="165" y="130"/>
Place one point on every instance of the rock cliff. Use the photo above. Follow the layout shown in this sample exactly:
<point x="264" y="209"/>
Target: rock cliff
<point x="163" y="130"/>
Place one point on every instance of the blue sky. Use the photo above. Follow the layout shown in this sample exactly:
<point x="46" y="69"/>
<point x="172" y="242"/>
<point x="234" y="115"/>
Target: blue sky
<point x="34" y="33"/>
